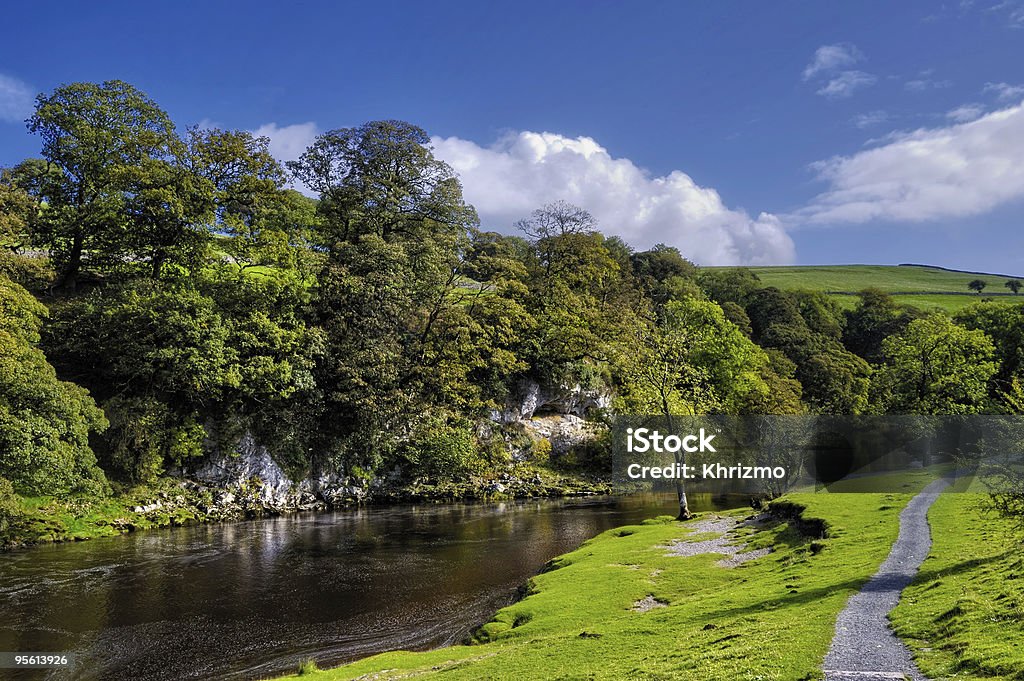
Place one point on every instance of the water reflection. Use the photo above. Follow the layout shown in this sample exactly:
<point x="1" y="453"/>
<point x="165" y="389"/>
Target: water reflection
<point x="252" y="599"/>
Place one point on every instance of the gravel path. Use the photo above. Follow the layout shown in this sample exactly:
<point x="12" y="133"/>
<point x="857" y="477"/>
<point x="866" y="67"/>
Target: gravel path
<point x="725" y="543"/>
<point x="864" y="648"/>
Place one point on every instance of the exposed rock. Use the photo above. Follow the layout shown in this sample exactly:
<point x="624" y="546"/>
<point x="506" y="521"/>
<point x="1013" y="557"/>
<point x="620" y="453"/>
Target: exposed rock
<point x="529" y="398"/>
<point x="563" y="432"/>
<point x="648" y="603"/>
<point x="249" y="481"/>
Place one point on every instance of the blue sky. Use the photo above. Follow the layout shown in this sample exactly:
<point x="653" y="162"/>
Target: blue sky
<point x="809" y="132"/>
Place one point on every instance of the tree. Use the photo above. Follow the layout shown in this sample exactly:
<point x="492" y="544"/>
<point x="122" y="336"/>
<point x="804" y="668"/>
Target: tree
<point x="977" y="285"/>
<point x="935" y="367"/>
<point x="876" y="317"/>
<point x="664" y="273"/>
<point x="1014" y="285"/>
<point x="1004" y="325"/>
<point x="734" y="284"/>
<point x="92" y="135"/>
<point x="17" y="210"/>
<point x="391" y="293"/>
<point x="690" y="361"/>
<point x="381" y="178"/>
<point x="157" y="356"/>
<point x="45" y="423"/>
<point x="834" y="380"/>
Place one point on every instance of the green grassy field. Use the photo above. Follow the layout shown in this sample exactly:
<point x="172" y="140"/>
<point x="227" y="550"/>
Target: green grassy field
<point x="771" y="618"/>
<point x="922" y="287"/>
<point x="886" y="277"/>
<point x="964" y="614"/>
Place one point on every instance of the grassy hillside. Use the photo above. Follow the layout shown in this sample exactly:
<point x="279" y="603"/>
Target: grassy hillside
<point x="920" y="286"/>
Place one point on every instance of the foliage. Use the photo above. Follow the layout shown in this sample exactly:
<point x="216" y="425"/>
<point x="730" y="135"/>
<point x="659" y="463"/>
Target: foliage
<point x="935" y="367"/>
<point x="977" y="285"/>
<point x="44" y="422"/>
<point x="1004" y="325"/>
<point x="94" y="137"/>
<point x="374" y="327"/>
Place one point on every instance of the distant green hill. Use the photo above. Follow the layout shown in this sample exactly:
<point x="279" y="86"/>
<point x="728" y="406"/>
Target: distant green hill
<point x="919" y="285"/>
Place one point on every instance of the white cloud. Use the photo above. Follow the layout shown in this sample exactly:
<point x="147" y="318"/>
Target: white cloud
<point x="965" y="112"/>
<point x="954" y="171"/>
<point x="1004" y="92"/>
<point x="289" y="141"/>
<point x="17" y="99"/>
<point x="845" y="84"/>
<point x="870" y="119"/>
<point x="525" y="170"/>
<point x="829" y="58"/>
<point x="1013" y="11"/>
<point x="923" y="83"/>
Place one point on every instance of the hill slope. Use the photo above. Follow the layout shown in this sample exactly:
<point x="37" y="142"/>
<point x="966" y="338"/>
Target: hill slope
<point x="919" y="285"/>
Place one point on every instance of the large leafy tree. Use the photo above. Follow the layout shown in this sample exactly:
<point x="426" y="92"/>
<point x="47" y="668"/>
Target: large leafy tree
<point x="45" y="423"/>
<point x="876" y="317"/>
<point x="211" y="183"/>
<point x="93" y="135"/>
<point x="1004" y="325"/>
<point x="833" y="379"/>
<point x="935" y="367"/>
<point x="158" y="358"/>
<point x="392" y="295"/>
<point x="689" y="361"/>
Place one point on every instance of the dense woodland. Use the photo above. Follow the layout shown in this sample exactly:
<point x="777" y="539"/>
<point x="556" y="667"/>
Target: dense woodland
<point x="163" y="291"/>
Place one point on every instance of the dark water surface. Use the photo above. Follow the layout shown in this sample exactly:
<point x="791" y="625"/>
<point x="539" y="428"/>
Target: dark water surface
<point x="252" y="599"/>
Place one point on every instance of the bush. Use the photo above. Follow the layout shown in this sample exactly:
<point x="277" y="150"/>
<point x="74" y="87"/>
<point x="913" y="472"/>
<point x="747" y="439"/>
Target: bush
<point x="443" y="450"/>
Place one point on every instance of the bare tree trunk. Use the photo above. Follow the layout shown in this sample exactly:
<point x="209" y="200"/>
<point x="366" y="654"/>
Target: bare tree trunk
<point x="684" y="508"/>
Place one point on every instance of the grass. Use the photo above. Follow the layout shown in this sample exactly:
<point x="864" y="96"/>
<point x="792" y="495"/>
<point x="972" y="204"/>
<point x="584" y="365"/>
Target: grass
<point x="920" y="286"/>
<point x="914" y="278"/>
<point x="78" y="517"/>
<point x="964" y="614"/>
<point x="771" y="618"/>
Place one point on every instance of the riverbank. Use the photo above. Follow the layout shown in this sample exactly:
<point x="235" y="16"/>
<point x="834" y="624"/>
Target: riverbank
<point x="174" y="502"/>
<point x="626" y="602"/>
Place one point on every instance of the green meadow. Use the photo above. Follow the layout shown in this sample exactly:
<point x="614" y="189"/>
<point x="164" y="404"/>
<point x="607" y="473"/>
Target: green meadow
<point x="927" y="288"/>
<point x="770" y="618"/>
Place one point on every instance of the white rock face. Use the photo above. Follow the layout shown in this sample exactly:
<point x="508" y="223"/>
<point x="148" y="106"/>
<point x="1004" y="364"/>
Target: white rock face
<point x="250" y="477"/>
<point x="563" y="431"/>
<point x="530" y="397"/>
<point x="553" y="413"/>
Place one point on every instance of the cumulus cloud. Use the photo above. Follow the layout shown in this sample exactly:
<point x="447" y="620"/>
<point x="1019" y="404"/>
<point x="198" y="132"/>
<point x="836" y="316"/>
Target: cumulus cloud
<point x="17" y="99"/>
<point x="829" y="58"/>
<point x="954" y="171"/>
<point x="525" y="170"/>
<point x="1004" y="92"/>
<point x="287" y="142"/>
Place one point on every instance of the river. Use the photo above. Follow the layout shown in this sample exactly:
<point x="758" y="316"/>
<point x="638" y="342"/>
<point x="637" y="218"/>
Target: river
<point x="252" y="599"/>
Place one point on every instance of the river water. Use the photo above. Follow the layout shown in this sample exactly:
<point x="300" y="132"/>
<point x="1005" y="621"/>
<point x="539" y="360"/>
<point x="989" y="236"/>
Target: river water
<point x="252" y="599"/>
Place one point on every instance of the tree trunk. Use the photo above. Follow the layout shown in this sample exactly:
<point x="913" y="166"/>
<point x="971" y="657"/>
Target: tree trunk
<point x="69" y="279"/>
<point x="684" y="508"/>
